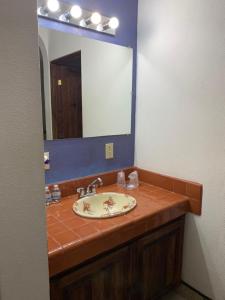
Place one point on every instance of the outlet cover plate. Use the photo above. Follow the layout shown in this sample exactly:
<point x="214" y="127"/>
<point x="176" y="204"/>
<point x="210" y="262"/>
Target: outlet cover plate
<point x="109" y="151"/>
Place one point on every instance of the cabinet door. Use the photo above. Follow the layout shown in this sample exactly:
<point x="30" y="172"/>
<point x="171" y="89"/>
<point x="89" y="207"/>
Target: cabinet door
<point x="159" y="260"/>
<point x="107" y="278"/>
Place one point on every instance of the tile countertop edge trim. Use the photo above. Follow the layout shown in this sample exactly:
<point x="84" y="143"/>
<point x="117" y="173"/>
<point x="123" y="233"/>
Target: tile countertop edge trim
<point x="67" y="258"/>
<point x="192" y="190"/>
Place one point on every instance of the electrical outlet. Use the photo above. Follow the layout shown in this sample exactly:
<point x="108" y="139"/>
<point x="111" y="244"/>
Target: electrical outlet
<point x="109" y="151"/>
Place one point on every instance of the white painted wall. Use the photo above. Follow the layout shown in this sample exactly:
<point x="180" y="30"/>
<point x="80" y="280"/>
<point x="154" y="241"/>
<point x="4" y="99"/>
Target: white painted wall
<point x="181" y="119"/>
<point x="23" y="246"/>
<point x="106" y="81"/>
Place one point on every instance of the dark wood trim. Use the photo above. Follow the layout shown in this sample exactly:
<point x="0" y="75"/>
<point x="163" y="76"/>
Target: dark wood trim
<point x="65" y="58"/>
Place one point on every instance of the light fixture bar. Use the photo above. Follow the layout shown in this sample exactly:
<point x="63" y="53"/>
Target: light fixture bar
<point x="76" y="16"/>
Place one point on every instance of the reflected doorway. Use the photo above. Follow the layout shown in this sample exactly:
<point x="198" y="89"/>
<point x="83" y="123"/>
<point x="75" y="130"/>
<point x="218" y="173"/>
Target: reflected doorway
<point x="66" y="96"/>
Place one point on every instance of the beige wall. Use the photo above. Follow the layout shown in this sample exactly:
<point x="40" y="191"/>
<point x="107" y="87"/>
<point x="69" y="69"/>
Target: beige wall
<point x="23" y="249"/>
<point x="181" y="119"/>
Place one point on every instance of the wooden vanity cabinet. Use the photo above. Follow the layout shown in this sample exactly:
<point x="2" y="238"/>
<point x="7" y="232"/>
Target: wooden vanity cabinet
<point x="109" y="277"/>
<point x="144" y="268"/>
<point x="159" y="260"/>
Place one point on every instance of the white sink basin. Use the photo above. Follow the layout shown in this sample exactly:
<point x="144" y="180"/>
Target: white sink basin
<point x="104" y="205"/>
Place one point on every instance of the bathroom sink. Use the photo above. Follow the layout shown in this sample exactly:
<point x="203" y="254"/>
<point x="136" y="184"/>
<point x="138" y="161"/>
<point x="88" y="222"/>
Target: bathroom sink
<point x="104" y="205"/>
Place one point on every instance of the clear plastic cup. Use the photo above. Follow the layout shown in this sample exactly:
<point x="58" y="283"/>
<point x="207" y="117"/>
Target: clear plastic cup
<point x="121" y="179"/>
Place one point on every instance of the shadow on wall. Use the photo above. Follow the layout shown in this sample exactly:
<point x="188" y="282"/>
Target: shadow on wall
<point x="198" y="259"/>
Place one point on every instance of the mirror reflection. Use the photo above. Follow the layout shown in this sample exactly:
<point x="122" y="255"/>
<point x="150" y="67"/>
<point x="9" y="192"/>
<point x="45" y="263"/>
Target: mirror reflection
<point x="86" y="86"/>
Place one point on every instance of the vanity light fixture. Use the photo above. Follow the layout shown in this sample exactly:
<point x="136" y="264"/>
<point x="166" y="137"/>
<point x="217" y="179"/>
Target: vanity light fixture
<point x="51" y="6"/>
<point x="83" y="23"/>
<point x="76" y="16"/>
<point x="100" y="28"/>
<point x="75" y="12"/>
<point x="96" y="18"/>
<point x="65" y="17"/>
<point x="112" y="24"/>
<point x="42" y="11"/>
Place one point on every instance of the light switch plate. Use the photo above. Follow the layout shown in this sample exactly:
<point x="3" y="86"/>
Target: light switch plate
<point x="109" y="151"/>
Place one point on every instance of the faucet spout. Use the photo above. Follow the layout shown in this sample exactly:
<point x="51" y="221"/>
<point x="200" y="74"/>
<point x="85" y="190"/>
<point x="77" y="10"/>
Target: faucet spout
<point x="97" y="182"/>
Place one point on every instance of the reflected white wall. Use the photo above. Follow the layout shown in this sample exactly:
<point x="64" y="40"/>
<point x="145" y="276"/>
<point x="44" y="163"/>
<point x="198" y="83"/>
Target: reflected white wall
<point x="106" y="81"/>
<point x="43" y="45"/>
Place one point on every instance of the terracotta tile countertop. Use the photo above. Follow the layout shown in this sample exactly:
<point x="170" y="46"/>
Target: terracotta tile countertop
<point x="73" y="239"/>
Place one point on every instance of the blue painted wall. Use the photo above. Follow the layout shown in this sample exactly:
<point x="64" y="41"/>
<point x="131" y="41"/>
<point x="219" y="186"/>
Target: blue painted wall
<point x="73" y="158"/>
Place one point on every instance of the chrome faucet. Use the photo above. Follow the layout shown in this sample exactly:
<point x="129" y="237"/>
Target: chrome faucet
<point x="90" y="189"/>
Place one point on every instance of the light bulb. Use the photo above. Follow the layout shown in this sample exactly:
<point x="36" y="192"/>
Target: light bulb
<point x="114" y="23"/>
<point x="53" y="5"/>
<point x="76" y="12"/>
<point x="100" y="27"/>
<point x="96" y="18"/>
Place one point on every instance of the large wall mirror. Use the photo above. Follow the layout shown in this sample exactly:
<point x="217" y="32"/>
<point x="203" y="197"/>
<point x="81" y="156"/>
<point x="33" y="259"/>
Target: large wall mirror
<point x="86" y="86"/>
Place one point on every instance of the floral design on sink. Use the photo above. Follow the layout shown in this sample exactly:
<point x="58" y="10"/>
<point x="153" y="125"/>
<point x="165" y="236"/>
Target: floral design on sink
<point x="104" y="205"/>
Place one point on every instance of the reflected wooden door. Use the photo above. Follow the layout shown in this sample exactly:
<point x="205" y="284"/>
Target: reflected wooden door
<point x="66" y="102"/>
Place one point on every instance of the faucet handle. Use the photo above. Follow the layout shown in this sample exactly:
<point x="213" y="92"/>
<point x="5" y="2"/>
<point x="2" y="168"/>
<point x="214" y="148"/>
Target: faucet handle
<point x="100" y="181"/>
<point x="81" y="191"/>
<point x="91" y="189"/>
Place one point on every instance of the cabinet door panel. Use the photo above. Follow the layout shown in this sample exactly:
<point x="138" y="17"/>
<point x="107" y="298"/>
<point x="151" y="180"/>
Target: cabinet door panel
<point x="111" y="283"/>
<point x="106" y="278"/>
<point x="159" y="261"/>
<point x="78" y="291"/>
